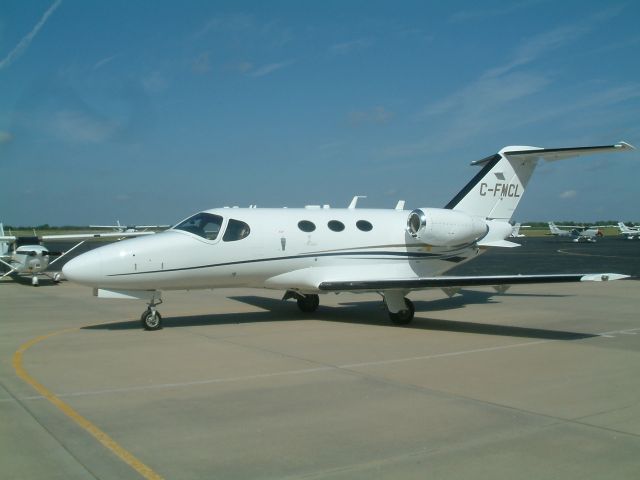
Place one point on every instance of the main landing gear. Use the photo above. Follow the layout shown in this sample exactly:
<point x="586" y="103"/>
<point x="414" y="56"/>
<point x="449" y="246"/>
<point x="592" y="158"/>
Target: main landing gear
<point x="151" y="318"/>
<point x="307" y="303"/>
<point x="403" y="317"/>
<point x="401" y="309"/>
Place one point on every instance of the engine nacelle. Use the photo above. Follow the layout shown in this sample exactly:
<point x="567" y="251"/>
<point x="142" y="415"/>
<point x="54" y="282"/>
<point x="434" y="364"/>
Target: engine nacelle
<point x="445" y="228"/>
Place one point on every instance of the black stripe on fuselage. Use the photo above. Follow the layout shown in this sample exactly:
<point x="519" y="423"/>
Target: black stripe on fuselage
<point x="399" y="255"/>
<point x="490" y="163"/>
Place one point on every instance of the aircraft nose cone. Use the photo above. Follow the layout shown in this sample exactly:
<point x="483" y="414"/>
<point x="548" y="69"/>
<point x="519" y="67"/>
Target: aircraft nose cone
<point x="85" y="268"/>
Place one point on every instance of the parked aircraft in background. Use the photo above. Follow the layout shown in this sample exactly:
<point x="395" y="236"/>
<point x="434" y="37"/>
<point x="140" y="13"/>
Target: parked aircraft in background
<point x="515" y="232"/>
<point x="310" y="251"/>
<point x="577" y="233"/>
<point x="27" y="255"/>
<point x="629" y="232"/>
<point x="130" y="229"/>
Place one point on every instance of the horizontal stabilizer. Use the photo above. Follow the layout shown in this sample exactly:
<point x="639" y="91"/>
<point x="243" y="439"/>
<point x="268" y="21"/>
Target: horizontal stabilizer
<point x="471" y="281"/>
<point x="552" y="154"/>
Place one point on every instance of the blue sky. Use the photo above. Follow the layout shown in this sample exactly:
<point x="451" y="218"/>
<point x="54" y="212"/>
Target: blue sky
<point x="149" y="111"/>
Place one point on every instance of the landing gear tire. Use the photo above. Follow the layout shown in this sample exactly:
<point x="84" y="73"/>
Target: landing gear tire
<point x="403" y="317"/>
<point x="57" y="277"/>
<point x="308" y="303"/>
<point x="151" y="320"/>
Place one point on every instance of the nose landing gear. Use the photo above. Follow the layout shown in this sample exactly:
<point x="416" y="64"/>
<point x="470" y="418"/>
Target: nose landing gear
<point x="151" y="318"/>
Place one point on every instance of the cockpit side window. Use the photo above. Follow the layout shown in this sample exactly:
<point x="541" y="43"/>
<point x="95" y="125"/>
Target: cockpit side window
<point x="236" y="230"/>
<point x="205" y="225"/>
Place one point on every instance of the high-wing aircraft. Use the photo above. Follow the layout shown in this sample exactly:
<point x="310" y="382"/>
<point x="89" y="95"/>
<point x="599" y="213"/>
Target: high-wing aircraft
<point x="310" y="251"/>
<point x="515" y="232"/>
<point x="629" y="232"/>
<point x="27" y="255"/>
<point x="577" y="233"/>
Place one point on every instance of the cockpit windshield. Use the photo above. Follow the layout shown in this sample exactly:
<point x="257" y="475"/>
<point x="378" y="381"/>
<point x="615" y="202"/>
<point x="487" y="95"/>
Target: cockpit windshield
<point x="205" y="225"/>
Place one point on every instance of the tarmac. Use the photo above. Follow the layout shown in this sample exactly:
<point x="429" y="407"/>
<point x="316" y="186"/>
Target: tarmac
<point x="540" y="382"/>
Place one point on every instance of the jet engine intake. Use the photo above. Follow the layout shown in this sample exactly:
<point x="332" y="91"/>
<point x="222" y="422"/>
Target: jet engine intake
<point x="445" y="228"/>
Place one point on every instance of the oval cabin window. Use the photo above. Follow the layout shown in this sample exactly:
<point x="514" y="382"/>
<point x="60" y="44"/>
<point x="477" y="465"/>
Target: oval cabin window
<point x="306" y="226"/>
<point x="364" y="225"/>
<point x="335" y="225"/>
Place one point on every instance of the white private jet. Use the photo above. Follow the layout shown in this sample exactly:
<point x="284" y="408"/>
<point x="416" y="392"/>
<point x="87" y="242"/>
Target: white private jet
<point x="629" y="232"/>
<point x="578" y="233"/>
<point x="27" y="255"/>
<point x="311" y="251"/>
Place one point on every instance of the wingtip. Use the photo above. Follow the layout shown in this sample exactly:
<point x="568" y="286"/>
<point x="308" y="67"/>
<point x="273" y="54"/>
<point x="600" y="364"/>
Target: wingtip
<point x="603" y="277"/>
<point x="625" y="146"/>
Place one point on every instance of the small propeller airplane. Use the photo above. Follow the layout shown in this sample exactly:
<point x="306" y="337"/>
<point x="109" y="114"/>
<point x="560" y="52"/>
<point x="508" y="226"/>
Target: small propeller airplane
<point x="316" y="250"/>
<point x="27" y="255"/>
<point x="578" y="233"/>
<point x="515" y="232"/>
<point x="629" y="232"/>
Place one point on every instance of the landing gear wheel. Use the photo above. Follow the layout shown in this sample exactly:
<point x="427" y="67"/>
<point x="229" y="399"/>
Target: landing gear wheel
<point x="57" y="277"/>
<point x="403" y="317"/>
<point x="308" y="303"/>
<point x="151" y="319"/>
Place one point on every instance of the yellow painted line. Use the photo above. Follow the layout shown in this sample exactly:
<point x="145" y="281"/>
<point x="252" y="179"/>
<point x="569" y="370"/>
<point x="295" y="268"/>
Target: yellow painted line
<point x="98" y="434"/>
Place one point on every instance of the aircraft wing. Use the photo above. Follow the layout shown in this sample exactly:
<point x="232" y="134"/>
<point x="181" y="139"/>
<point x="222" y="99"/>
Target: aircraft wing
<point x="470" y="281"/>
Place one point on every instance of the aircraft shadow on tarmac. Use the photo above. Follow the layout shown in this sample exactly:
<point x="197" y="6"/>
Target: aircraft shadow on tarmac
<point x="363" y="313"/>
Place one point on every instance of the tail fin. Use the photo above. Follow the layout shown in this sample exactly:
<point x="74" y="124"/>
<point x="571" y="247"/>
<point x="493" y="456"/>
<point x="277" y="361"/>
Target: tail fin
<point x="622" y="227"/>
<point x="494" y="193"/>
<point x="554" y="230"/>
<point x="4" y="245"/>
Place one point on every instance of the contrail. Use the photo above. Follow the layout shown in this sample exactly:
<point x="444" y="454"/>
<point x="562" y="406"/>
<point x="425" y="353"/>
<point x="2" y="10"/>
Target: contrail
<point x="26" y="41"/>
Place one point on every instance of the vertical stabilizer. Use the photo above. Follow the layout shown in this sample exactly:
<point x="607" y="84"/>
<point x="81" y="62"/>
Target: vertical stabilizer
<point x="494" y="193"/>
<point x="4" y="245"/>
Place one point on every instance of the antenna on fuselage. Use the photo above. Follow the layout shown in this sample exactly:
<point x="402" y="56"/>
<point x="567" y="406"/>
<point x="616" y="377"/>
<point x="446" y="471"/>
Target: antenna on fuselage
<point x="354" y="202"/>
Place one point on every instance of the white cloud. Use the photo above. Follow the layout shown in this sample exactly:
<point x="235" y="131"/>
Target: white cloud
<point x="377" y="115"/>
<point x="155" y="82"/>
<point x="26" y="41"/>
<point x="235" y="22"/>
<point x="202" y="63"/>
<point x="269" y="68"/>
<point x="350" y="47"/>
<point x="481" y="14"/>
<point x="568" y="194"/>
<point x="79" y="127"/>
<point x="5" y="137"/>
<point x="101" y="63"/>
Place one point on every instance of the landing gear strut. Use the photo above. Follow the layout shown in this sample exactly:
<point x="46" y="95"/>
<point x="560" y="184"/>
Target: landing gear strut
<point x="151" y="318"/>
<point x="401" y="309"/>
<point x="403" y="317"/>
<point x="307" y="302"/>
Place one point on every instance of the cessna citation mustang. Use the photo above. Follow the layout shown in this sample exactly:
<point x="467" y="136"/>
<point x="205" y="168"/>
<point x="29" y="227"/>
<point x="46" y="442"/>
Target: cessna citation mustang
<point x="309" y="251"/>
